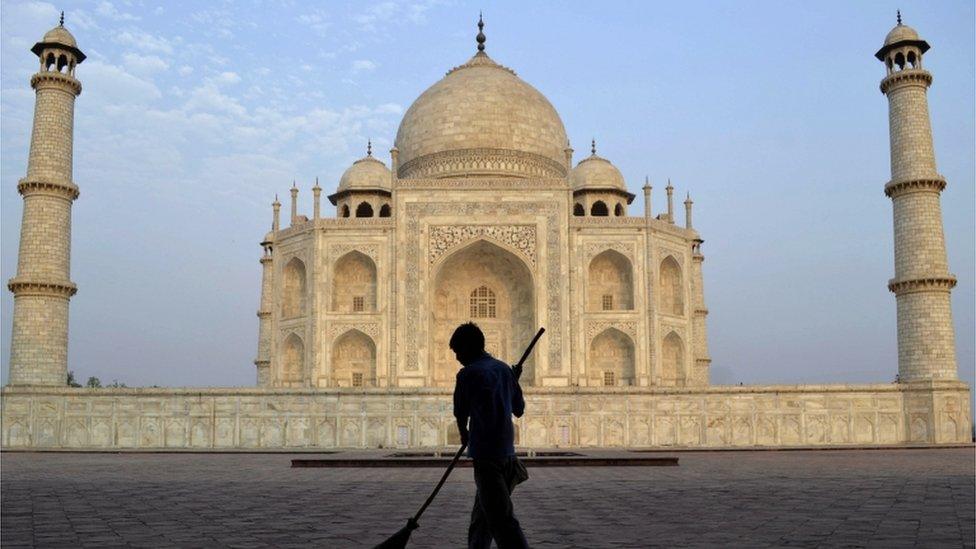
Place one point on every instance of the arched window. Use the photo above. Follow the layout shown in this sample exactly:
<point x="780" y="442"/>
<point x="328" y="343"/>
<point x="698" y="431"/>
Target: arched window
<point x="610" y="286"/>
<point x="900" y="60"/>
<point x="354" y="360"/>
<point x="293" y="289"/>
<point x="364" y="210"/>
<point x="911" y="59"/>
<point x="599" y="208"/>
<point x="292" y="360"/>
<point x="49" y="62"/>
<point x="62" y="62"/>
<point x="670" y="287"/>
<point x="344" y="211"/>
<point x="385" y="210"/>
<point x="354" y="279"/>
<point x="611" y="360"/>
<point x="483" y="303"/>
<point x="578" y="210"/>
<point x="672" y="361"/>
<point x="618" y="210"/>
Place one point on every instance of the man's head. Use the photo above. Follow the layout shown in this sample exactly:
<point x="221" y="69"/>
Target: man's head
<point x="468" y="343"/>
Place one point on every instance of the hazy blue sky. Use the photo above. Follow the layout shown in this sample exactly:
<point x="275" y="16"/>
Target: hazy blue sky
<point x="195" y="114"/>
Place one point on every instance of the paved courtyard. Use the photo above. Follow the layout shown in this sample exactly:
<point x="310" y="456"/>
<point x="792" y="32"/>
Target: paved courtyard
<point x="846" y="498"/>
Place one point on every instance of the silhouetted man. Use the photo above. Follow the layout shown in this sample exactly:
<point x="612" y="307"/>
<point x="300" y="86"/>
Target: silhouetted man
<point x="488" y="393"/>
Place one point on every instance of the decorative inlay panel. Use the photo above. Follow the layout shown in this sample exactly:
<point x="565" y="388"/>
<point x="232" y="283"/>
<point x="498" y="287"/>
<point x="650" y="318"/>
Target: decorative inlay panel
<point x="625" y="248"/>
<point x="372" y="329"/>
<point x="466" y="162"/>
<point x="338" y="250"/>
<point x="444" y="238"/>
<point x="594" y="328"/>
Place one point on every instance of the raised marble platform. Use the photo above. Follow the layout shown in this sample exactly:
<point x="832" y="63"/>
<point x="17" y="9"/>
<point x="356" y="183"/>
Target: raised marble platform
<point x="213" y="419"/>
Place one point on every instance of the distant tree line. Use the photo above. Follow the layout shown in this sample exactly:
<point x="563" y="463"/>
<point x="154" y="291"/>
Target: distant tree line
<point x="93" y="382"/>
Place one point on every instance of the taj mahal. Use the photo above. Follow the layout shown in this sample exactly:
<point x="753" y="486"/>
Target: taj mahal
<point x="483" y="211"/>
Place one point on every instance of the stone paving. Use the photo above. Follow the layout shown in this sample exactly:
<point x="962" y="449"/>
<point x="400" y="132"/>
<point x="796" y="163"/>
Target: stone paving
<point x="841" y="498"/>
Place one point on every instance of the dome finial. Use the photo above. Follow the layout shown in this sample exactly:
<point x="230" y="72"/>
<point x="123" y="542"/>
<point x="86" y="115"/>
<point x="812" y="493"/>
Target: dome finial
<point x="481" y="35"/>
<point x="898" y="12"/>
<point x="593" y="147"/>
<point x="62" y="19"/>
<point x="369" y="147"/>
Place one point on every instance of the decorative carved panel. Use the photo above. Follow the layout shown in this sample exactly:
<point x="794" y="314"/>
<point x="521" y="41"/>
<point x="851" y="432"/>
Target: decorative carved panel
<point x="520" y="238"/>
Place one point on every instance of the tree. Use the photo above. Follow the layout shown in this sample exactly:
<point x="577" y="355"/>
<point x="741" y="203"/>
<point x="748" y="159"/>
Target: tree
<point x="71" y="380"/>
<point x="93" y="383"/>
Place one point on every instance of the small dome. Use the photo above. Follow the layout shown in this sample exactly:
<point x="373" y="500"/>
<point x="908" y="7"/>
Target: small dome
<point x="900" y="33"/>
<point x="596" y="172"/>
<point x="60" y="35"/>
<point x="367" y="173"/>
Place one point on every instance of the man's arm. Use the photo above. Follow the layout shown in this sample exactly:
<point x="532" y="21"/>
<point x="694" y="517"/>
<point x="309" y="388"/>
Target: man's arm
<point x="461" y="411"/>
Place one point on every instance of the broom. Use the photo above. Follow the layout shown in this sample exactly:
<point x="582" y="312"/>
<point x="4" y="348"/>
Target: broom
<point x="400" y="538"/>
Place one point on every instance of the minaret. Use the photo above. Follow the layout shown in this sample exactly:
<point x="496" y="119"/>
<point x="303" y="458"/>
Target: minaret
<point x="294" y="204"/>
<point x="688" y="204"/>
<point x="263" y="360"/>
<point x="702" y="359"/>
<point x="316" y="200"/>
<point x="926" y="343"/>
<point x="42" y="286"/>
<point x="648" y="214"/>
<point x="670" y="191"/>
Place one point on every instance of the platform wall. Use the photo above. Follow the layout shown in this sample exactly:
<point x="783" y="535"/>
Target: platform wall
<point x="715" y="417"/>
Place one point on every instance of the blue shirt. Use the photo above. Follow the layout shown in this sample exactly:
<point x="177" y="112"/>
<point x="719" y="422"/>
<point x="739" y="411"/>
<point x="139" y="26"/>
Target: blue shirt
<point x="486" y="392"/>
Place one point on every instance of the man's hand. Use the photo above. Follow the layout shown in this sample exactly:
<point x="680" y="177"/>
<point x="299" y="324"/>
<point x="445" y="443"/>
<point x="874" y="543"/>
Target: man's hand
<point x="517" y="371"/>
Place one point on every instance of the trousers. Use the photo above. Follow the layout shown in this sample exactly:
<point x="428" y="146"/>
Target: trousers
<point x="493" y="516"/>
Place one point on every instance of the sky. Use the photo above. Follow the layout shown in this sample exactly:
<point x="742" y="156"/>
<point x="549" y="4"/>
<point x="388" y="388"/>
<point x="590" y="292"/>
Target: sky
<point x="194" y="115"/>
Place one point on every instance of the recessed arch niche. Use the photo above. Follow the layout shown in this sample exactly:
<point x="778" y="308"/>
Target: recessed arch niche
<point x="464" y="283"/>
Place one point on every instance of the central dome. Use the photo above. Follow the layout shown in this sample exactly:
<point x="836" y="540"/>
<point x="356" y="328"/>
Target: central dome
<point x="481" y="119"/>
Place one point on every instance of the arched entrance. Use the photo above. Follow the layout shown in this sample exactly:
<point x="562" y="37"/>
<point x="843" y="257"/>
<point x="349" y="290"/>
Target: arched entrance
<point x="492" y="287"/>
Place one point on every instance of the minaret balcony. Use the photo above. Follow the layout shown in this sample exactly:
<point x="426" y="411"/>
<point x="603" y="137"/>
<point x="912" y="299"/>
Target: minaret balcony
<point x="56" y="79"/>
<point x="918" y="77"/>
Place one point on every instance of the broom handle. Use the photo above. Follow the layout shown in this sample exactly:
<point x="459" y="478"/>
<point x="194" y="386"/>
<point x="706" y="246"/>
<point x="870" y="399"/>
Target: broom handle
<point x="518" y="366"/>
<point x="447" y="473"/>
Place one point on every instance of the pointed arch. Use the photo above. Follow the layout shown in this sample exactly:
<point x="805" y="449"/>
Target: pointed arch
<point x="610" y="285"/>
<point x="618" y="210"/>
<point x="344" y="211"/>
<point x="465" y="284"/>
<point x="354" y="284"/>
<point x="293" y="289"/>
<point x="364" y="209"/>
<point x="385" y="210"/>
<point x="599" y="209"/>
<point x="611" y="360"/>
<point x="292" y="360"/>
<point x="671" y="287"/>
<point x="672" y="361"/>
<point x="578" y="210"/>
<point x="354" y="360"/>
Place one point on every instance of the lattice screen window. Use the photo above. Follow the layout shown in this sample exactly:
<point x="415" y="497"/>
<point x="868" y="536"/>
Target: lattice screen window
<point x="609" y="379"/>
<point x="358" y="304"/>
<point x="483" y="304"/>
<point x="357" y="379"/>
<point x="608" y="302"/>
